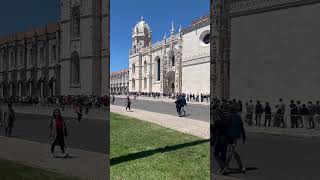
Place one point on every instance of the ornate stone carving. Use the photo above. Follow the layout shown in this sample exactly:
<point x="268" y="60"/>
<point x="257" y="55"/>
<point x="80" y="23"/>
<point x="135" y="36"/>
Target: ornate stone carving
<point x="241" y="7"/>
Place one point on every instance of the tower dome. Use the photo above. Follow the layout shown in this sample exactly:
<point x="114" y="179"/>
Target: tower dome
<point x="141" y="29"/>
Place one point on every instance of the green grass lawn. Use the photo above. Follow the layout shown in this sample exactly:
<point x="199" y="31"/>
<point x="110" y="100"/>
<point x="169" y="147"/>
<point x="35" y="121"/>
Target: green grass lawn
<point x="141" y="150"/>
<point x="14" y="171"/>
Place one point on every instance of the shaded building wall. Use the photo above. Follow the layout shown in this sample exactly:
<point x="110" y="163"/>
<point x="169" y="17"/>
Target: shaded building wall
<point x="276" y="54"/>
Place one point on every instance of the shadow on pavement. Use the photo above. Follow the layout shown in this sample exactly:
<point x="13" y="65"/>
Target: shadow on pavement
<point x="237" y="171"/>
<point x="143" y="154"/>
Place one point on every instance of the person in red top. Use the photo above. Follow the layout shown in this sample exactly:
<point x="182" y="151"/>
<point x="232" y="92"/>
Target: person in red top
<point x="58" y="132"/>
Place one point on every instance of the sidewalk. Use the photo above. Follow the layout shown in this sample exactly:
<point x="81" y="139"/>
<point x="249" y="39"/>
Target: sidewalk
<point x="202" y="129"/>
<point x="82" y="164"/>
<point x="45" y="110"/>
<point x="190" y="126"/>
<point x="161" y="99"/>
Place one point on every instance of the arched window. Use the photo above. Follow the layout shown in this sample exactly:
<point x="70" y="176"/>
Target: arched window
<point x="76" y="21"/>
<point x="206" y="39"/>
<point x="133" y="84"/>
<point x="158" y="69"/>
<point x="173" y="60"/>
<point x="145" y="83"/>
<point x="75" y="68"/>
<point x="133" y="68"/>
<point x="145" y="67"/>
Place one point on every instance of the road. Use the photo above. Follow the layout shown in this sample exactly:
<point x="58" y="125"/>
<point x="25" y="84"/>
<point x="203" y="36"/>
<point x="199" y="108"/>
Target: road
<point x="194" y="111"/>
<point x="89" y="135"/>
<point x="279" y="158"/>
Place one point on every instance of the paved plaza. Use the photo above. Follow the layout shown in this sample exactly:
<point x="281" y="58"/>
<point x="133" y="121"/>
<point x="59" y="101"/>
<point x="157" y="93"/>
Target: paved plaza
<point x="194" y="111"/>
<point x="86" y="142"/>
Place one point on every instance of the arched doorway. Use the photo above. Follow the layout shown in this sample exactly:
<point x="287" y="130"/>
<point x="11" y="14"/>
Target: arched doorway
<point x="52" y="86"/>
<point x="170" y="82"/>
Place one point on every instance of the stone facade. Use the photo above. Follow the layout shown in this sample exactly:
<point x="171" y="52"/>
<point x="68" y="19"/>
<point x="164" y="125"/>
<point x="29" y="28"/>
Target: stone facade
<point x="273" y="46"/>
<point x="64" y="58"/>
<point x="173" y="65"/>
<point x="119" y="82"/>
<point x="29" y="62"/>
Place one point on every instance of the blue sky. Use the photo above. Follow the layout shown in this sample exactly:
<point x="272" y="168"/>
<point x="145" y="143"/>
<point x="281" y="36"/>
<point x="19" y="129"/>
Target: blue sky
<point x="22" y="15"/>
<point x="157" y="13"/>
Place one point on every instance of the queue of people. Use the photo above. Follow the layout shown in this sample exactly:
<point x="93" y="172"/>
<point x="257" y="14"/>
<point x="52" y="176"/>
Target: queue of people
<point x="294" y="115"/>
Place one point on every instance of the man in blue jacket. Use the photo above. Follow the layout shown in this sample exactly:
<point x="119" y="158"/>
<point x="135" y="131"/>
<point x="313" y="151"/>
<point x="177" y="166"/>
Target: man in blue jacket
<point x="235" y="131"/>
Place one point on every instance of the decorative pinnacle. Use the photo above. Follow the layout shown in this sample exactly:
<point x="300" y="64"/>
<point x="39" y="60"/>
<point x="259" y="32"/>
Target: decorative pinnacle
<point x="165" y="35"/>
<point x="172" y="27"/>
<point x="141" y="18"/>
<point x="180" y="28"/>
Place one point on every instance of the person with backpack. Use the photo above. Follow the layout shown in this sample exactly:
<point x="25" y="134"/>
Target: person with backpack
<point x="235" y="131"/>
<point x="219" y="140"/>
<point x="58" y="132"/>
<point x="183" y="104"/>
<point x="9" y="119"/>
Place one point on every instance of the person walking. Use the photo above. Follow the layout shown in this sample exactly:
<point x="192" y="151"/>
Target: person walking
<point x="78" y="110"/>
<point x="258" y="111"/>
<point x="235" y="132"/>
<point x="250" y="111"/>
<point x="317" y="113"/>
<point x="183" y="104"/>
<point x="304" y="113"/>
<point x="299" y="117"/>
<point x="178" y="103"/>
<point x="281" y="112"/>
<point x="128" y="103"/>
<point x="311" y="109"/>
<point x="293" y="114"/>
<point x="268" y="114"/>
<point x="9" y="120"/>
<point x="58" y="132"/>
<point x="113" y="98"/>
<point x="219" y="141"/>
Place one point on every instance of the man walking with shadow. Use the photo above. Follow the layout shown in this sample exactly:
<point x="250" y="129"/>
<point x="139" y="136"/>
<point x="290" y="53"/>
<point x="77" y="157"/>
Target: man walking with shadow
<point x="128" y="103"/>
<point x="219" y="140"/>
<point x="9" y="119"/>
<point x="235" y="131"/>
<point x="183" y="104"/>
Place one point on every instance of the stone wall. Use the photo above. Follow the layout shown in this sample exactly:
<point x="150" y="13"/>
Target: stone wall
<point x="276" y="54"/>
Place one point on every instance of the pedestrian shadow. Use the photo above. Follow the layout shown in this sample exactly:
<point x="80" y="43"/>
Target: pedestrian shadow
<point x="143" y="154"/>
<point x="62" y="157"/>
<point x="237" y="171"/>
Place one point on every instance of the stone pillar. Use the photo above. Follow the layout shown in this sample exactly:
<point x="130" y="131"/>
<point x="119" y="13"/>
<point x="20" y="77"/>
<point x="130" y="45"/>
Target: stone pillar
<point x="219" y="47"/>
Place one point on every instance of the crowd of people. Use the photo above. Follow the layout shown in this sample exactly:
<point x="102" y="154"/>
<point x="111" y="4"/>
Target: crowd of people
<point x="190" y="97"/>
<point x="60" y="101"/>
<point x="294" y="115"/>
